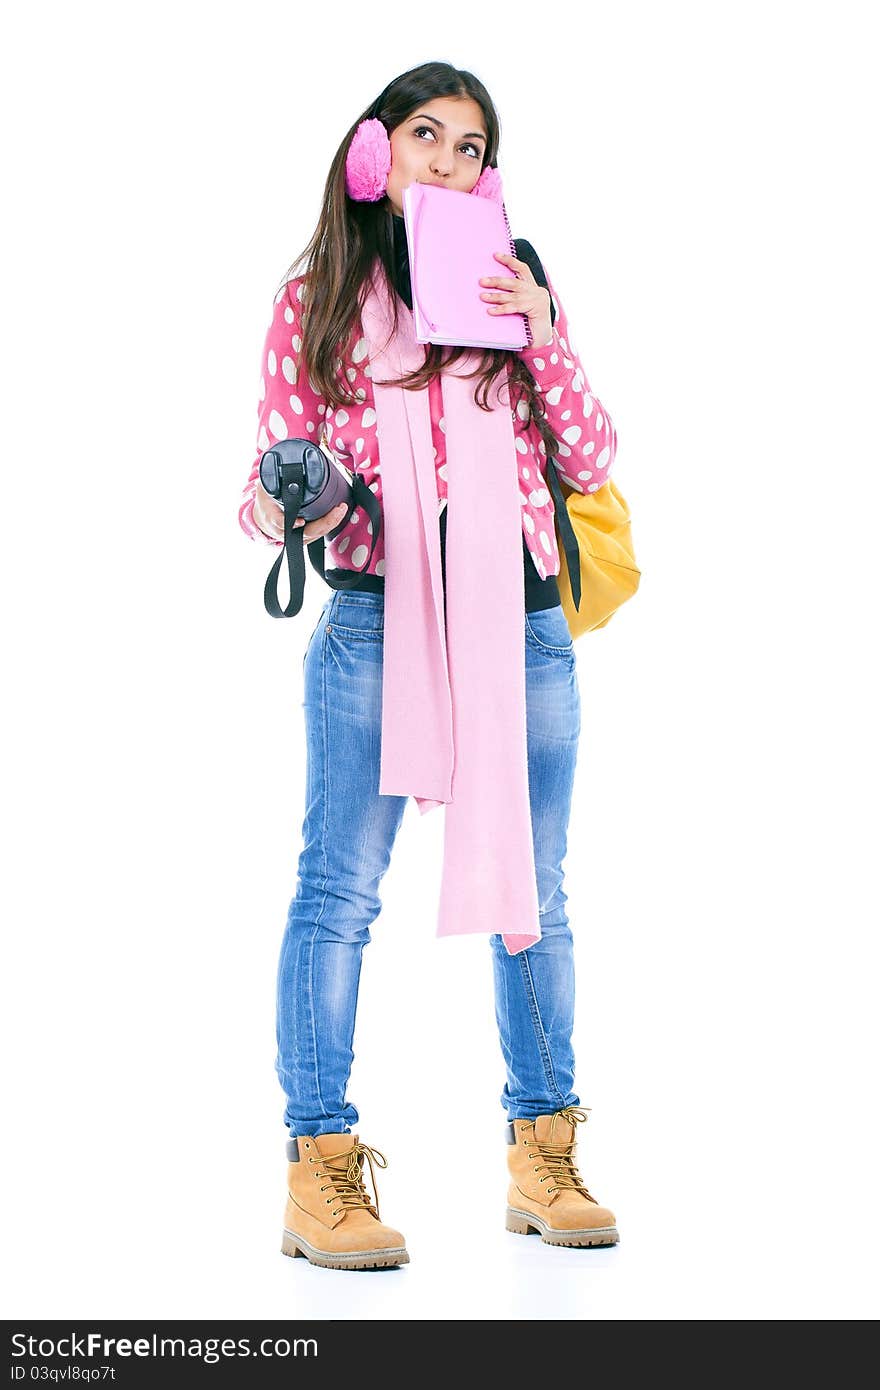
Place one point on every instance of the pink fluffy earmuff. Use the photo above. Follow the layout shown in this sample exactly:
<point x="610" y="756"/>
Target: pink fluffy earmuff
<point x="369" y="160"/>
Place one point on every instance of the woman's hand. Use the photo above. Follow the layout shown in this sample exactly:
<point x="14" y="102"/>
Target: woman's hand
<point x="269" y="516"/>
<point x="520" y="296"/>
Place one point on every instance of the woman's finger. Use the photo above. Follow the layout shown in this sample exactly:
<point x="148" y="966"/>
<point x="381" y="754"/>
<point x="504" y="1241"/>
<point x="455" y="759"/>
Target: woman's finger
<point x="521" y="268"/>
<point x="323" y="524"/>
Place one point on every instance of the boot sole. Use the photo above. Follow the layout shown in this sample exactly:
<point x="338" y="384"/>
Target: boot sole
<point x="294" y="1245"/>
<point x="524" y="1223"/>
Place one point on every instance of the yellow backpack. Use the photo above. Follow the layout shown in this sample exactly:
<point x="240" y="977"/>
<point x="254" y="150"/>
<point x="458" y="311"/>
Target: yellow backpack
<point x="598" y="570"/>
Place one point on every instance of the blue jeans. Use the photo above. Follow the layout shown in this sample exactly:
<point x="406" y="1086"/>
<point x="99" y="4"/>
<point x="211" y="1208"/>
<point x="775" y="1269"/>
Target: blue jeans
<point x="348" y="832"/>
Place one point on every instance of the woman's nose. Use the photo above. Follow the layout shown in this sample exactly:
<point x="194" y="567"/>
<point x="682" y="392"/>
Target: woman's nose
<point x="442" y="163"/>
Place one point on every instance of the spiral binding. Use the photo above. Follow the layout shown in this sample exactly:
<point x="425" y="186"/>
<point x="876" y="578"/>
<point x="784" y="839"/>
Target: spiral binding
<point x="524" y="317"/>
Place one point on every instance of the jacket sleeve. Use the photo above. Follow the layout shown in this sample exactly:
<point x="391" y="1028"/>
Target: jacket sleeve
<point x="289" y="406"/>
<point x="586" y="433"/>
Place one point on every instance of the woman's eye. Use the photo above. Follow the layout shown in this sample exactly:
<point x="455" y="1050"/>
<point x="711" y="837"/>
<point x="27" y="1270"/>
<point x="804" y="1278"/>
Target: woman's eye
<point x="468" y="144"/>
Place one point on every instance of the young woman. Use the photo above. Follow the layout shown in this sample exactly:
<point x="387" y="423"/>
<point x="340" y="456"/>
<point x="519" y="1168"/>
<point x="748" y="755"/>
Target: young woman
<point x="410" y="689"/>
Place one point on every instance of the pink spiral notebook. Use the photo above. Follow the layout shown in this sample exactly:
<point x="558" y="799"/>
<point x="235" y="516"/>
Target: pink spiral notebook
<point x="452" y="238"/>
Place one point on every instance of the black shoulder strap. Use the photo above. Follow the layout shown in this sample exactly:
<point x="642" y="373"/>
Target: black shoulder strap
<point x="526" y="252"/>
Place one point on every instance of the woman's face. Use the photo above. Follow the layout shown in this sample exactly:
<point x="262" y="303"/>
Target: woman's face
<point x="442" y="142"/>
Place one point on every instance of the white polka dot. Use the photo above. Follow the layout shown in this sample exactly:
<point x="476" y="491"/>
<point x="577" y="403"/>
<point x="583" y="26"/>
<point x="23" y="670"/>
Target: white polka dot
<point x="539" y="363"/>
<point x="563" y="450"/>
<point x="442" y="423"/>
<point x="296" y="342"/>
<point x="521" y="445"/>
<point x="341" y="418"/>
<point x="299" y="290"/>
<point x="588" y="446"/>
<point x="358" y="446"/>
<point x="288" y="314"/>
<point x="296" y="405"/>
<point x="543" y="538"/>
<point x="599" y="422"/>
<point x="588" y="406"/>
<point x="263" y="442"/>
<point x="591" y="487"/>
<point x="523" y="411"/>
<point x="577" y="381"/>
<point x="541" y="567"/>
<point x="380" y="567"/>
<point x="355" y="517"/>
<point x="278" y="425"/>
<point x="526" y="473"/>
<point x="359" y="555"/>
<point x="288" y="367"/>
<point x="572" y="434"/>
<point x="585" y="474"/>
<point x="369" y="528"/>
<point x="603" y="456"/>
<point x="310" y="425"/>
<point x="566" y="415"/>
<point x="361" y="393"/>
<point x="321" y="408"/>
<point x="343" y="544"/>
<point x="529" y="523"/>
<point x="554" y="358"/>
<point x="360" y="350"/>
<point x="374" y="487"/>
<point x="340" y="444"/>
<point x="554" y="395"/>
<point x="368" y="417"/>
<point x="272" y="362"/>
<point x="539" y="497"/>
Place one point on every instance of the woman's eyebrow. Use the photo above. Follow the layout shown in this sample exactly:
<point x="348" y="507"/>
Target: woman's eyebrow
<point x="469" y="134"/>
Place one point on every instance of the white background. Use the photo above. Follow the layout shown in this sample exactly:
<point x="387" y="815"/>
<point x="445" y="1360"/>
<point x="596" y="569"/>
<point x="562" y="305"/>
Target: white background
<point x="699" y="182"/>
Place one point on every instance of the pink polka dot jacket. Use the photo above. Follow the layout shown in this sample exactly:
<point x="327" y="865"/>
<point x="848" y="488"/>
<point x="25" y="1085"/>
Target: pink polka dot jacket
<point x="289" y="407"/>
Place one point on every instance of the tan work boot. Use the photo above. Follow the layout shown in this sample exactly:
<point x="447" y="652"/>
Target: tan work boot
<point x="547" y="1193"/>
<point x="330" y="1217"/>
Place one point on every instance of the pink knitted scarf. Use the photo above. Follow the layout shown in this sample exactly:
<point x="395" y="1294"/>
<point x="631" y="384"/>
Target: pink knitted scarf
<point x="453" y="697"/>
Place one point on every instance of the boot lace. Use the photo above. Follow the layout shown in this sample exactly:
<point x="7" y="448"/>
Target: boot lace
<point x="346" y="1179"/>
<point x="558" y="1159"/>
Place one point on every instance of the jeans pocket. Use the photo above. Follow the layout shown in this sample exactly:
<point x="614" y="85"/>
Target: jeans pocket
<point x="358" y="618"/>
<point x="547" y="631"/>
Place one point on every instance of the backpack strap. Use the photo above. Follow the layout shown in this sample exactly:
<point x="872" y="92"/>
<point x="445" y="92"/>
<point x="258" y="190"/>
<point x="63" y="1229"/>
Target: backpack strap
<point x="526" y="252"/>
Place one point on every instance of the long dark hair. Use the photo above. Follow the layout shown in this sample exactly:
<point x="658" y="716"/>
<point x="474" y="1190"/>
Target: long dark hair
<point x="350" y="235"/>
